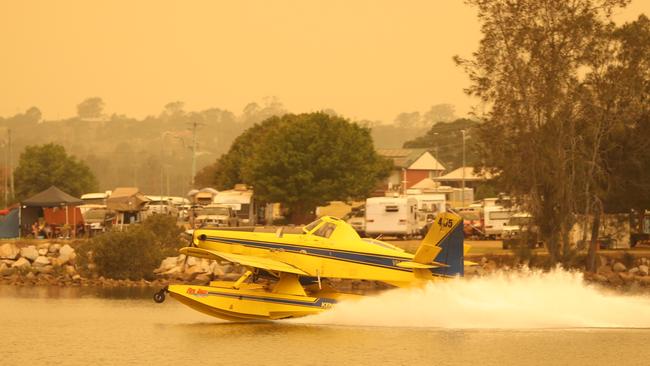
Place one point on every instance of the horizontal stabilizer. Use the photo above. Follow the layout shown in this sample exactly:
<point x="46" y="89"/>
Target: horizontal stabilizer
<point x="244" y="260"/>
<point x="408" y="264"/>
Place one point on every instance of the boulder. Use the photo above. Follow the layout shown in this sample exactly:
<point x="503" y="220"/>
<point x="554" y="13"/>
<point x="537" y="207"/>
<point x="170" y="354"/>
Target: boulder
<point x="216" y="269"/>
<point x="70" y="270"/>
<point x="197" y="268"/>
<point x="173" y="271"/>
<point x="44" y="245"/>
<point x="42" y="251"/>
<point x="76" y="278"/>
<point x="30" y="276"/>
<point x="45" y="269"/>
<point x="599" y="278"/>
<point x="192" y="261"/>
<point x="41" y="261"/>
<point x="619" y="267"/>
<point x="9" y="251"/>
<point x="202" y="279"/>
<point x="633" y="271"/>
<point x="66" y="254"/>
<point x="643" y="270"/>
<point x="167" y="264"/>
<point x="21" y="263"/>
<point x="6" y="270"/>
<point x="181" y="259"/>
<point x="29" y="252"/>
<point x="54" y="248"/>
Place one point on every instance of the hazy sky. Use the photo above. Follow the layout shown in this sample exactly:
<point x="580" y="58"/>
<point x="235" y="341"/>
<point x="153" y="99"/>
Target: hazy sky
<point x="364" y="59"/>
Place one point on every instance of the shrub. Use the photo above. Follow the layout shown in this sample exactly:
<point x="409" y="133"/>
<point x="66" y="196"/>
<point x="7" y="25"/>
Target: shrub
<point x="131" y="254"/>
<point x="166" y="232"/>
<point x="134" y="253"/>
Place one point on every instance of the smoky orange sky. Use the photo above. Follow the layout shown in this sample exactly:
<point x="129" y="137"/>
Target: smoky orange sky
<point x="364" y="59"/>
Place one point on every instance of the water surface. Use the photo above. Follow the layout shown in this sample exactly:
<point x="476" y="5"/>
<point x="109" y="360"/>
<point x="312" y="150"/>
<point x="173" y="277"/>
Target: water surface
<point x="76" y="326"/>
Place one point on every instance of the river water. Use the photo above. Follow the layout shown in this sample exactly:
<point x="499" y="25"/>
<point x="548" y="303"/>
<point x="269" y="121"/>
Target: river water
<point x="534" y="319"/>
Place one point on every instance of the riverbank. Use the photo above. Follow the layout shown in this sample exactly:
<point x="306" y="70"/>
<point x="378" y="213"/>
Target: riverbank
<point x="54" y="263"/>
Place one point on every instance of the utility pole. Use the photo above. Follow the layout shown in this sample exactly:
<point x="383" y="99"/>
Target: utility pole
<point x="6" y="173"/>
<point x="11" y="168"/>
<point x="462" y="193"/>
<point x="194" y="124"/>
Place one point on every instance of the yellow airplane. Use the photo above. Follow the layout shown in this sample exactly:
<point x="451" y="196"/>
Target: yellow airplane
<point x="296" y="264"/>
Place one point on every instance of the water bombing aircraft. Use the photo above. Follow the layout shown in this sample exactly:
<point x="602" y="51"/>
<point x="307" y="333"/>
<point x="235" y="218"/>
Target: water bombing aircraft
<point x="293" y="267"/>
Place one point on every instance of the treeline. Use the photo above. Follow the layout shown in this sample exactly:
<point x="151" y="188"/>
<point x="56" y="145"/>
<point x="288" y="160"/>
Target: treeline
<point x="154" y="153"/>
<point x="567" y="131"/>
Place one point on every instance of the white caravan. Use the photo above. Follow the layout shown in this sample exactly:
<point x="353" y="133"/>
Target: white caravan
<point x="429" y="205"/>
<point x="392" y="216"/>
<point x="242" y="202"/>
<point x="494" y="219"/>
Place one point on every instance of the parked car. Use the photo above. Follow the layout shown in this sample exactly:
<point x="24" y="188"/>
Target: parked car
<point x="216" y="215"/>
<point x="99" y="220"/>
<point x="472" y="221"/>
<point x="160" y="207"/>
<point x="520" y="230"/>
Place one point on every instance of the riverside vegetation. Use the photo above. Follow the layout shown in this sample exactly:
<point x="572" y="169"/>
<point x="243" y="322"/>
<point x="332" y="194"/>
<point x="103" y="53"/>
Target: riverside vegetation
<point x="146" y="255"/>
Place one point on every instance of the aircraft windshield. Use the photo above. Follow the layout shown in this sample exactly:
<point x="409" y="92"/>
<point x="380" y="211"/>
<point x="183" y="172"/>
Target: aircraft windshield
<point x="311" y="226"/>
<point x="326" y="230"/>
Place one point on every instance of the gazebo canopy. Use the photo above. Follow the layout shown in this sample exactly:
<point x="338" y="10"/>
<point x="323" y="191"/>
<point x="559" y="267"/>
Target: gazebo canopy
<point x="51" y="197"/>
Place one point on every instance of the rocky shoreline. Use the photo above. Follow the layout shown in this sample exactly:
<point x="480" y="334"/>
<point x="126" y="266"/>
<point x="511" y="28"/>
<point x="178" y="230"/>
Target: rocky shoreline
<point x="55" y="264"/>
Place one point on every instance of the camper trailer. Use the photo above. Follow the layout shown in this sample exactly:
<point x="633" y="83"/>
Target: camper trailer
<point x="391" y="216"/>
<point x="428" y="206"/>
<point x="242" y="202"/>
<point x="494" y="219"/>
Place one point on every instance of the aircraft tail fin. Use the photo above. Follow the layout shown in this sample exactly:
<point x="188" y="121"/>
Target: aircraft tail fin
<point x="444" y="244"/>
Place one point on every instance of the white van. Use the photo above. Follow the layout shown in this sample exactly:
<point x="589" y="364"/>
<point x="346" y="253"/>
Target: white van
<point x="494" y="219"/>
<point x="429" y="205"/>
<point x="392" y="216"/>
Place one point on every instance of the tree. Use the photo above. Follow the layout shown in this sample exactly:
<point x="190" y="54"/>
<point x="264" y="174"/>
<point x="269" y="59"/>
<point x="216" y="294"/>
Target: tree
<point x="445" y="141"/>
<point x="43" y="166"/>
<point x="304" y="161"/>
<point x="408" y="120"/>
<point x="530" y="69"/>
<point x="90" y="108"/>
<point x="439" y="113"/>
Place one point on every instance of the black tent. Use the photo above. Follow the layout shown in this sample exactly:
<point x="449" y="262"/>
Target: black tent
<point x="32" y="208"/>
<point x="51" y="197"/>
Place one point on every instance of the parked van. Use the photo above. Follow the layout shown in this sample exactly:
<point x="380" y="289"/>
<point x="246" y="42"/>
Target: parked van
<point x="428" y="206"/>
<point x="242" y="202"/>
<point x="494" y="219"/>
<point x="391" y="216"/>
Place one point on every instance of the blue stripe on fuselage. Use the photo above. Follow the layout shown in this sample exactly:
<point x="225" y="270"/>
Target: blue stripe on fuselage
<point x="316" y="303"/>
<point x="368" y="259"/>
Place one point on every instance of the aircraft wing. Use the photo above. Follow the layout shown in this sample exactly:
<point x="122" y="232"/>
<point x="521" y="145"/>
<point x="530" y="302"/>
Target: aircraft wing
<point x="244" y="260"/>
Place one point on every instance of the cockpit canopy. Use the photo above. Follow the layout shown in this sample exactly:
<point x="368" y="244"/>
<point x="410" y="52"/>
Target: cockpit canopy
<point x="330" y="228"/>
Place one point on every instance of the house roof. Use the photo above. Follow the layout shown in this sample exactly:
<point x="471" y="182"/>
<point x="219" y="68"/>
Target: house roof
<point x="457" y="175"/>
<point x="419" y="159"/>
<point x="51" y="197"/>
<point x="126" y="199"/>
<point x="426" y="183"/>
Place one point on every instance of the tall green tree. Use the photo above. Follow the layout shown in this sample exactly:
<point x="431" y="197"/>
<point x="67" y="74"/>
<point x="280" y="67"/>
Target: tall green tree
<point x="529" y="70"/>
<point x="304" y="161"/>
<point x="42" y="166"/>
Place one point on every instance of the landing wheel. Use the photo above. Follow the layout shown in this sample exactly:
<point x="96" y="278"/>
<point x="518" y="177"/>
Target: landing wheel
<point x="159" y="296"/>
